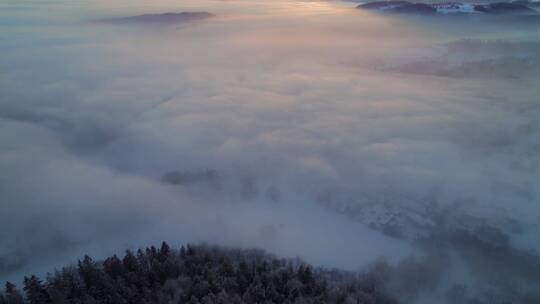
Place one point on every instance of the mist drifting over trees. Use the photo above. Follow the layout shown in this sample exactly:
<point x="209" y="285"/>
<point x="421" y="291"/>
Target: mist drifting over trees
<point x="197" y="274"/>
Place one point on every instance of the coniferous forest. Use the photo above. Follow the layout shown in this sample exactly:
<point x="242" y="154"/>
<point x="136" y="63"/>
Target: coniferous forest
<point x="196" y="274"/>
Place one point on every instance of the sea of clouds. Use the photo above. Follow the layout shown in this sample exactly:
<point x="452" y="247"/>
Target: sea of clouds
<point x="272" y="119"/>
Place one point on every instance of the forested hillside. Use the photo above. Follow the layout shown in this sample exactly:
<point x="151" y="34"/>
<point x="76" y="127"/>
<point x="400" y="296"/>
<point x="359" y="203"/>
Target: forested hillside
<point x="196" y="274"/>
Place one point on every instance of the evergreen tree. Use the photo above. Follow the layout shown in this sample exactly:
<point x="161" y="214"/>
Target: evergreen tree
<point x="12" y="294"/>
<point x="35" y="291"/>
<point x="164" y="251"/>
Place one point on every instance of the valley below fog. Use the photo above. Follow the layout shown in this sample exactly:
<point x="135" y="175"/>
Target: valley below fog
<point x="351" y="138"/>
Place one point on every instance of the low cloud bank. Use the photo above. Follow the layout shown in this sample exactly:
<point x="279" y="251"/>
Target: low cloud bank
<point x="301" y="128"/>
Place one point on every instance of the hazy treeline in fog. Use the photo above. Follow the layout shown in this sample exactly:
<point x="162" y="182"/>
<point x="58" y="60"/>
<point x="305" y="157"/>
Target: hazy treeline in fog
<point x="218" y="275"/>
<point x="197" y="274"/>
<point x="477" y="58"/>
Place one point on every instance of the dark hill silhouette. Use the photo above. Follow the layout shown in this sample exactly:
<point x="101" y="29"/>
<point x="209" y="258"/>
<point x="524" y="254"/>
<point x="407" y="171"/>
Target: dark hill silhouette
<point x="497" y="8"/>
<point x="163" y="19"/>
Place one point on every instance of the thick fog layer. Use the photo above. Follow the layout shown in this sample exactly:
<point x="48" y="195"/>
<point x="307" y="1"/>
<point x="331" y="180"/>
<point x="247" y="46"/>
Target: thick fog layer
<point x="304" y="128"/>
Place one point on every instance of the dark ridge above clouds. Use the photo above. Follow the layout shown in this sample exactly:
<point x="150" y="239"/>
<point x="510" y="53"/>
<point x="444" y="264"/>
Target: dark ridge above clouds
<point x="160" y="19"/>
<point x="447" y="8"/>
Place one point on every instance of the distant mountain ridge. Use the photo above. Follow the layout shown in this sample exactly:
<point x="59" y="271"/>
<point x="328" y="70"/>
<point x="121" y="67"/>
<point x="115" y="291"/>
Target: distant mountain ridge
<point x="401" y="6"/>
<point x="160" y="19"/>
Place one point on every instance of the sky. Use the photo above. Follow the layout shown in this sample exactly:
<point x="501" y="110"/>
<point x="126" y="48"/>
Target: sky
<point x="288" y="118"/>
